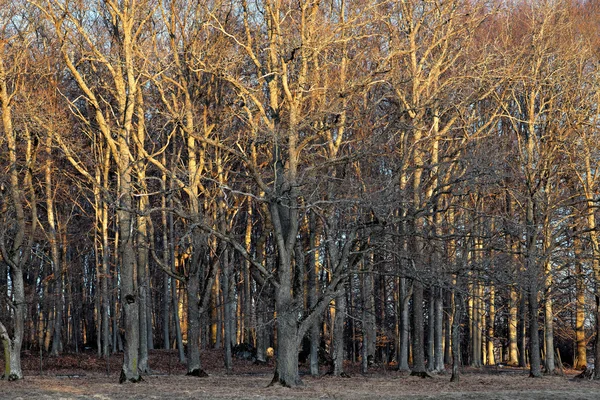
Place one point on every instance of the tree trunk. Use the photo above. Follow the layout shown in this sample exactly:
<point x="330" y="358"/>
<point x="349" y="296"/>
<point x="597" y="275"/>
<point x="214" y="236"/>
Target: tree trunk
<point x="476" y="331"/>
<point x="418" y="331"/>
<point x="448" y="321"/>
<point x="286" y="372"/>
<point x="522" y="331"/>
<point x="104" y="282"/>
<point x="313" y="287"/>
<point x="548" y="326"/>
<point x="129" y="298"/>
<point x="404" y="325"/>
<point x="456" y="311"/>
<point x="491" y="358"/>
<point x="261" y="343"/>
<point x="513" y="349"/>
<point x="166" y="297"/>
<point x="371" y="325"/>
<point x="177" y="323"/>
<point x="12" y="345"/>
<point x="338" y="335"/>
<point x="227" y="314"/>
<point x="193" y="327"/>
<point x="581" y="342"/>
<point x="142" y="285"/>
<point x="534" y="337"/>
<point x="439" y="331"/>
<point x="431" y="331"/>
<point x="57" y="344"/>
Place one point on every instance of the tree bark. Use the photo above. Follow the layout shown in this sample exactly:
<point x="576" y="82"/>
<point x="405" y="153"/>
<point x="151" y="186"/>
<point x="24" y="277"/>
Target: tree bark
<point x="313" y="287"/>
<point x="580" y="339"/>
<point x="456" y="317"/>
<point x="227" y="314"/>
<point x="57" y="344"/>
<point x="535" y="370"/>
<point x="418" y="331"/>
<point x="522" y="330"/>
<point x="286" y="372"/>
<point x="513" y="349"/>
<point x="431" y="331"/>
<point x="491" y="358"/>
<point x="194" y="367"/>
<point x="549" y="361"/>
<point x="404" y="325"/>
<point x="338" y="335"/>
<point x="439" y="331"/>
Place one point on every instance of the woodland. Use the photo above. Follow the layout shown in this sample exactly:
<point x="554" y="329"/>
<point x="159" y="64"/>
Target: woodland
<point x="323" y="183"/>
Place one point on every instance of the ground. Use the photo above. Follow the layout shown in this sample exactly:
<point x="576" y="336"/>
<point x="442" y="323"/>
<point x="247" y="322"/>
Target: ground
<point x="85" y="376"/>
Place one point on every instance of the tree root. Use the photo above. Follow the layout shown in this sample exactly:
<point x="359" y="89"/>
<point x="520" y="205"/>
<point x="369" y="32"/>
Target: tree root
<point x="586" y="373"/>
<point x="282" y="382"/>
<point x="197" y="372"/>
<point x="11" y="377"/>
<point x="421" y="374"/>
<point x="123" y="378"/>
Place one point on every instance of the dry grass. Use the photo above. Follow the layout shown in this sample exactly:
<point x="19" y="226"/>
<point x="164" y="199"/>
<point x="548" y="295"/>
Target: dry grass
<point x="84" y="376"/>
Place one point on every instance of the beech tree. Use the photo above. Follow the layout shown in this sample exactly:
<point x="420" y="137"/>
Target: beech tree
<point x="18" y="211"/>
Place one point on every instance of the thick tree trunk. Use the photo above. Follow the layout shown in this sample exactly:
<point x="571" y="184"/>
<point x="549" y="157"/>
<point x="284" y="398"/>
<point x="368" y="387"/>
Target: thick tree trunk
<point x="338" y="335"/>
<point x="261" y="343"/>
<point x="418" y="331"/>
<point x="177" y="323"/>
<point x="313" y="287"/>
<point x="57" y="344"/>
<point x="448" y="321"/>
<point x="286" y="372"/>
<point x="431" y="331"/>
<point x="581" y="342"/>
<point x="12" y="345"/>
<point x="143" y="292"/>
<point x="491" y="358"/>
<point x="20" y="249"/>
<point x="371" y="325"/>
<point x="404" y="325"/>
<point x="129" y="298"/>
<point x="476" y="330"/>
<point x="513" y="348"/>
<point x="12" y="358"/>
<point x="194" y="367"/>
<point x="104" y="282"/>
<point x="535" y="370"/>
<point x="549" y="362"/>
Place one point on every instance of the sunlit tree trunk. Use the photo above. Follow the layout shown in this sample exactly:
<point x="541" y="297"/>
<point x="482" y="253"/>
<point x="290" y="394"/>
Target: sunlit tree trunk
<point x="55" y="255"/>
<point x="580" y="288"/>
<point x="491" y="359"/>
<point x="15" y="253"/>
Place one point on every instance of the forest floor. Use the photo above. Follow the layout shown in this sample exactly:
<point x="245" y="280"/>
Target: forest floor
<point x="85" y="376"/>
